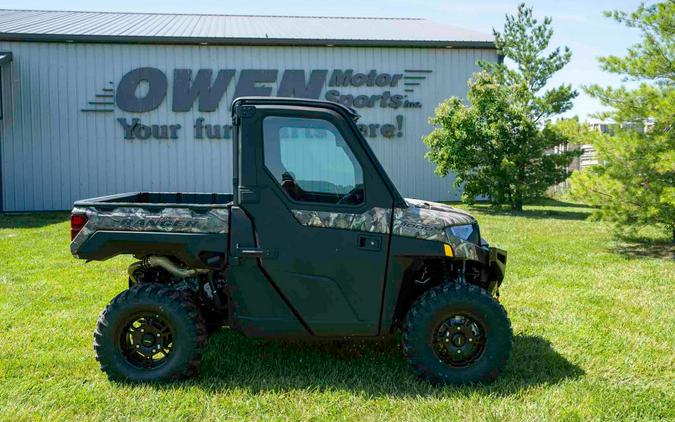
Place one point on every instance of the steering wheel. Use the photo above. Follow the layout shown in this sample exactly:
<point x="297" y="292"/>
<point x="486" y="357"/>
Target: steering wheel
<point x="356" y="193"/>
<point x="289" y="185"/>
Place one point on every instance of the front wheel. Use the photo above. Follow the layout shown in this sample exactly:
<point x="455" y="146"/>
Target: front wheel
<point x="457" y="334"/>
<point x="150" y="333"/>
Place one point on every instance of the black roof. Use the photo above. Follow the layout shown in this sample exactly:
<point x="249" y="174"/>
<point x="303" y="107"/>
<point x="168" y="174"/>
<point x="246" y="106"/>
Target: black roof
<point x="297" y="101"/>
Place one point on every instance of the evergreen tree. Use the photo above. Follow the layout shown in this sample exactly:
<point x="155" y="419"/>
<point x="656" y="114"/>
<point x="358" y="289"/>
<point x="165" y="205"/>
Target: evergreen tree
<point x="634" y="183"/>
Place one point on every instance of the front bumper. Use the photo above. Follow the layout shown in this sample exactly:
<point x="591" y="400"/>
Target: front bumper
<point x="492" y="261"/>
<point x="496" y="268"/>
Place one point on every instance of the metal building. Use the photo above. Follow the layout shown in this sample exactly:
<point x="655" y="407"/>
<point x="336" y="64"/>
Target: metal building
<point x="102" y="103"/>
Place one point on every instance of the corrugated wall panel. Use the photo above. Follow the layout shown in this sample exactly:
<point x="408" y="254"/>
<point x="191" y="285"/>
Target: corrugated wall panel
<point x="53" y="153"/>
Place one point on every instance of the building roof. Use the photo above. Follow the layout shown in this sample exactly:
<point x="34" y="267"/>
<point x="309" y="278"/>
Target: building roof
<point x="66" y="26"/>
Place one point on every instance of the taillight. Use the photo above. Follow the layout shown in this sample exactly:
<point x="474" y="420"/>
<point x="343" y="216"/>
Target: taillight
<point x="77" y="221"/>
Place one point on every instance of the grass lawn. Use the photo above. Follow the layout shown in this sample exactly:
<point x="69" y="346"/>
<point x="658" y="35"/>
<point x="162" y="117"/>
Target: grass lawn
<point x="594" y="324"/>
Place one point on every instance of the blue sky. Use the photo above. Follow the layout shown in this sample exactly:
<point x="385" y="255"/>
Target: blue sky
<point x="578" y="24"/>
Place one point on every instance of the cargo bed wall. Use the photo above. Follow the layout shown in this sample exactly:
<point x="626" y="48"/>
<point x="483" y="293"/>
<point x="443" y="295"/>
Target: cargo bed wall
<point x="194" y="233"/>
<point x="196" y="250"/>
<point x="168" y="199"/>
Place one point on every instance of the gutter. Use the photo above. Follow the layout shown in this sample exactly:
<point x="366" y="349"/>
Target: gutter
<point x="296" y="42"/>
<point x="5" y="58"/>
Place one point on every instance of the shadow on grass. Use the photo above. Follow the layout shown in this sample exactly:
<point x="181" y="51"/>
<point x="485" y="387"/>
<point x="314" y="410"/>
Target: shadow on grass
<point x="538" y="214"/>
<point x="31" y="220"/>
<point x="369" y="368"/>
<point x="637" y="247"/>
<point x="558" y="214"/>
<point x="550" y="202"/>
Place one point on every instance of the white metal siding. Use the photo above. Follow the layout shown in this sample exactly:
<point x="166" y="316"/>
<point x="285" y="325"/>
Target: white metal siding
<point x="53" y="154"/>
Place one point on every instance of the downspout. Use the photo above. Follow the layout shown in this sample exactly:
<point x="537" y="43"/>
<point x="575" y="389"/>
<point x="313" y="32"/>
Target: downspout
<point x="1" y="143"/>
<point x="5" y="58"/>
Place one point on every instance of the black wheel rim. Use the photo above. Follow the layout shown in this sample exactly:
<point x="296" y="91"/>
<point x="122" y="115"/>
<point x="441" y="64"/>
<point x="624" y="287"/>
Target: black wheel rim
<point x="146" y="341"/>
<point x="459" y="340"/>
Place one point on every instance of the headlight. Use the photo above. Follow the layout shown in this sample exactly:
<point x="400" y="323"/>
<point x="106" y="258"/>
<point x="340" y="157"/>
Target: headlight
<point x="468" y="232"/>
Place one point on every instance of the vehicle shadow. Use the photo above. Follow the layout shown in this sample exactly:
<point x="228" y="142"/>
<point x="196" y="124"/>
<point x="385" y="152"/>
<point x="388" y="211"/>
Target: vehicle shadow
<point x="371" y="368"/>
<point x="31" y="220"/>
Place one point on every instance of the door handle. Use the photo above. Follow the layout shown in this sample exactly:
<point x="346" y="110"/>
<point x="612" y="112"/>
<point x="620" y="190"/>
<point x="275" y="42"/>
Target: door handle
<point x="370" y="243"/>
<point x="253" y="252"/>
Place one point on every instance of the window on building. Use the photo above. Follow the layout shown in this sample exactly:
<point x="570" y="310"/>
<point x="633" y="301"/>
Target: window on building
<point x="311" y="161"/>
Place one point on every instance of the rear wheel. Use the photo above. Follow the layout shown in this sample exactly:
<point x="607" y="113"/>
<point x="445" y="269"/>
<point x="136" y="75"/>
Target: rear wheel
<point x="457" y="334"/>
<point x="150" y="333"/>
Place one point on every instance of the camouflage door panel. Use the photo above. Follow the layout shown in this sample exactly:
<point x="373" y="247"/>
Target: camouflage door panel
<point x="421" y="220"/>
<point x="375" y="220"/>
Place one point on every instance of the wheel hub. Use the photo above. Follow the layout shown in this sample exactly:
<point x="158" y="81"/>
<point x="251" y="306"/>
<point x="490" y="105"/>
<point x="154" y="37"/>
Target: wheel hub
<point x="459" y="340"/>
<point x="147" y="341"/>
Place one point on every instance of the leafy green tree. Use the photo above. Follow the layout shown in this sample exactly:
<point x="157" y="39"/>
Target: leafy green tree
<point x="499" y="145"/>
<point x="634" y="183"/>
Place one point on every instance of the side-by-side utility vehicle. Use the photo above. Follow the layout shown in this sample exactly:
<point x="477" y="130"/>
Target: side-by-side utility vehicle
<point x="314" y="241"/>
